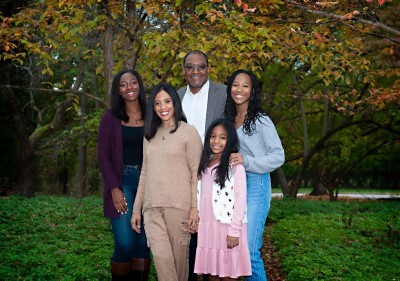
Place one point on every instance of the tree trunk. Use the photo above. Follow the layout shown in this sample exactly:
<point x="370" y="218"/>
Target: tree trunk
<point x="129" y="39"/>
<point x="294" y="189"/>
<point x="284" y="182"/>
<point x="108" y="59"/>
<point x="63" y="174"/>
<point x="319" y="188"/>
<point x="95" y="82"/>
<point x="27" y="159"/>
<point x="82" y="152"/>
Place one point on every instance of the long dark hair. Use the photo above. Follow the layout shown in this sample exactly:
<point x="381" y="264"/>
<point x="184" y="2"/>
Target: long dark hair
<point x="153" y="121"/>
<point x="254" y="111"/>
<point x="117" y="102"/>
<point x="232" y="144"/>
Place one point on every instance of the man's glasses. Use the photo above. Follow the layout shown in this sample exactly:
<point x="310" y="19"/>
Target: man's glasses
<point x="199" y="67"/>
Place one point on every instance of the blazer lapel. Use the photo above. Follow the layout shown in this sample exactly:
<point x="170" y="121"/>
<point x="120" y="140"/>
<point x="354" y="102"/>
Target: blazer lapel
<point x="211" y="105"/>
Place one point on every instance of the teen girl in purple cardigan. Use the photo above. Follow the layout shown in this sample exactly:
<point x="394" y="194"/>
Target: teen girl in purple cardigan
<point x="120" y="155"/>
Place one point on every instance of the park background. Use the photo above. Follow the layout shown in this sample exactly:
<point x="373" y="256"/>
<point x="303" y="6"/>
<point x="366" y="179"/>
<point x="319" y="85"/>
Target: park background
<point x="330" y="82"/>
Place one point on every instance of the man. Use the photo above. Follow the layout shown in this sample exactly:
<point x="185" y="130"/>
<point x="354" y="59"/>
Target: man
<point x="203" y="101"/>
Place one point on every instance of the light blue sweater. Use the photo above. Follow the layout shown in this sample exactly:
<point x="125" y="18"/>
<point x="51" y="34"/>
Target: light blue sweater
<point x="262" y="151"/>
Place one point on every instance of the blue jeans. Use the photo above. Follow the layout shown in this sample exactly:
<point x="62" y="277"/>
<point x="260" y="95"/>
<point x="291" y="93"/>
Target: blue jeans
<point x="127" y="243"/>
<point x="258" y="203"/>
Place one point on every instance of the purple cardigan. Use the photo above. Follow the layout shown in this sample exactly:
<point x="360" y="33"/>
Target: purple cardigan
<point x="109" y="151"/>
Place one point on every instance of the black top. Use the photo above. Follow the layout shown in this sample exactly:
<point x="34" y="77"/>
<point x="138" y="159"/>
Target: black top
<point x="132" y="139"/>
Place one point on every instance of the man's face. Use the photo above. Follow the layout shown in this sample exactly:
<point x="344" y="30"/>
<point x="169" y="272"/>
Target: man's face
<point x="196" y="72"/>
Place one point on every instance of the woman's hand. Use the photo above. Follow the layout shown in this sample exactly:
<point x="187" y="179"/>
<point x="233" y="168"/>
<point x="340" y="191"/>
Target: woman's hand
<point x="193" y="220"/>
<point x="135" y="222"/>
<point x="235" y="159"/>
<point x="232" y="241"/>
<point x="119" y="201"/>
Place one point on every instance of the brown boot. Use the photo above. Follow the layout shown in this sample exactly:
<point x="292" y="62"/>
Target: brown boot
<point x="121" y="271"/>
<point x="140" y="269"/>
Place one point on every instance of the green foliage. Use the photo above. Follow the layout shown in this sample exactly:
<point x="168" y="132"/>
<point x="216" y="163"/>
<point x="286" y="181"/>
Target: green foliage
<point x="54" y="238"/>
<point x="337" y="240"/>
<point x="59" y="155"/>
<point x="61" y="238"/>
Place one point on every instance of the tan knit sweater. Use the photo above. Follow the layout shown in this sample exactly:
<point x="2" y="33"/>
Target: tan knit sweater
<point x="169" y="170"/>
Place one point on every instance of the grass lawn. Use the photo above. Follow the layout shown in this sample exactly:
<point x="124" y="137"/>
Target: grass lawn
<point x="63" y="238"/>
<point x="321" y="240"/>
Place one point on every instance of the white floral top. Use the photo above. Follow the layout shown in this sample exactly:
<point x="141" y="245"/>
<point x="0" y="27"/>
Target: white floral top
<point x="223" y="201"/>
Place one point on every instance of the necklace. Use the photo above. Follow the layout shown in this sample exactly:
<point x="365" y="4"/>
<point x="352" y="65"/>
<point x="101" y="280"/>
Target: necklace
<point x="127" y="123"/>
<point x="240" y="115"/>
<point x="136" y="118"/>
<point x="136" y="115"/>
<point x="163" y="134"/>
<point x="165" y="128"/>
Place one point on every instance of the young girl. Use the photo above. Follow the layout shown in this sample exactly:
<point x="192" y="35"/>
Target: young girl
<point x="222" y="250"/>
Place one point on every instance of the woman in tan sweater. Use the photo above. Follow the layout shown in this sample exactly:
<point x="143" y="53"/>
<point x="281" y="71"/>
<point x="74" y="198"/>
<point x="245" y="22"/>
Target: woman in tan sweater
<point x="167" y="192"/>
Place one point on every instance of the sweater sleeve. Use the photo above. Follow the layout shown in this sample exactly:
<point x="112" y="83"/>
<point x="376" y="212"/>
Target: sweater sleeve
<point x="193" y="147"/>
<point x="267" y="147"/>
<point x="138" y="204"/>
<point x="105" y="153"/>
<point x="239" y="210"/>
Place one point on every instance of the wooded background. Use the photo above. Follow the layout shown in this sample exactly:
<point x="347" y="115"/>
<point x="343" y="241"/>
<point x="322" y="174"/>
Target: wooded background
<point x="329" y="71"/>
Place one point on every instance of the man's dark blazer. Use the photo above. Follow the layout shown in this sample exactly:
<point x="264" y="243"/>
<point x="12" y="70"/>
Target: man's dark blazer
<point x="216" y="101"/>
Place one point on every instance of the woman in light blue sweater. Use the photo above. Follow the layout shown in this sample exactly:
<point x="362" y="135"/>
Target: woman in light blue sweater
<point x="260" y="152"/>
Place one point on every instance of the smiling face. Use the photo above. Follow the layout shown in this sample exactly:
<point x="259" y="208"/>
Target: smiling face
<point x="129" y="87"/>
<point x="196" y="71"/>
<point x="218" y="141"/>
<point x="241" y="89"/>
<point x="164" y="108"/>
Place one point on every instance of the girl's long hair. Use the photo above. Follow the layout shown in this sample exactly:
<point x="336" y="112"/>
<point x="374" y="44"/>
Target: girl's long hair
<point x="232" y="144"/>
<point x="153" y="121"/>
<point x="254" y="111"/>
<point x="117" y="102"/>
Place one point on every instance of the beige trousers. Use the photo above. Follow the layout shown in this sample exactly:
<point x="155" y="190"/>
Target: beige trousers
<point x="169" y="242"/>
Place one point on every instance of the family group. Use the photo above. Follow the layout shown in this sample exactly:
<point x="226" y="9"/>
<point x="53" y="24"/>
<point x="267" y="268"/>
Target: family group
<point x="187" y="175"/>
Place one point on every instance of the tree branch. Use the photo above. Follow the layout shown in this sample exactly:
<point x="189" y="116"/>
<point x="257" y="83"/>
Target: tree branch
<point x="339" y="18"/>
<point x="59" y="91"/>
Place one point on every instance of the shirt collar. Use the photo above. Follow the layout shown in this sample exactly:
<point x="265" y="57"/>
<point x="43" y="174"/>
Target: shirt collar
<point x="204" y="89"/>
